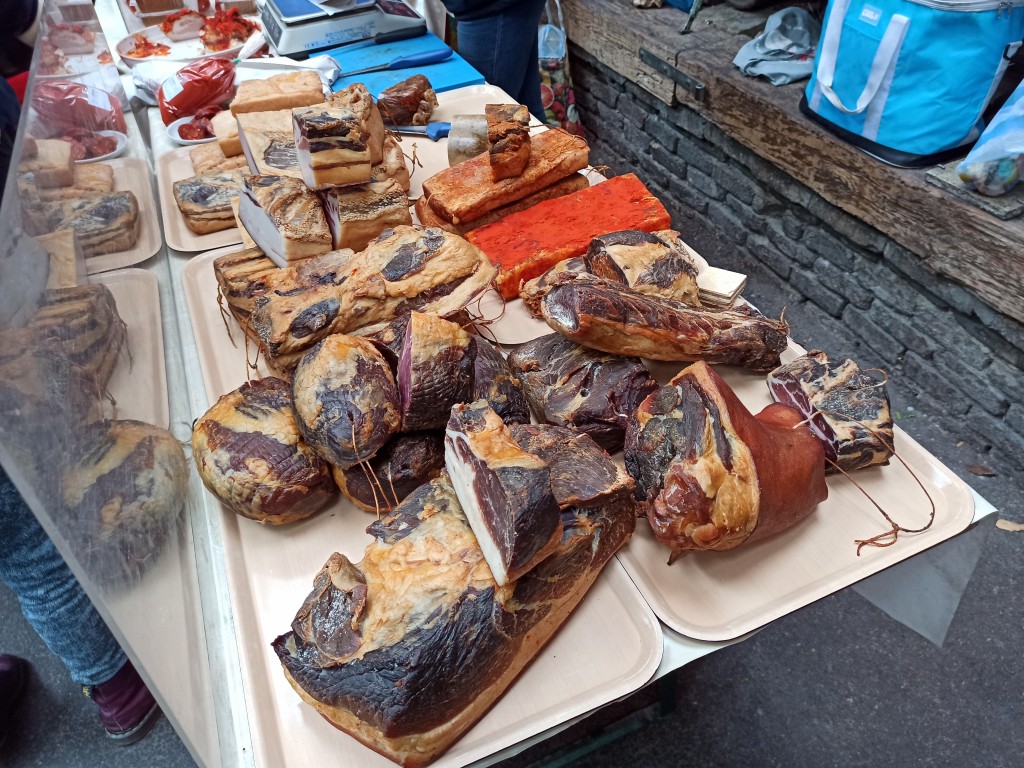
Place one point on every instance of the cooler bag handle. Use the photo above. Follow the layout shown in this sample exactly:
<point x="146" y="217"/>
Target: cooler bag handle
<point x="886" y="54"/>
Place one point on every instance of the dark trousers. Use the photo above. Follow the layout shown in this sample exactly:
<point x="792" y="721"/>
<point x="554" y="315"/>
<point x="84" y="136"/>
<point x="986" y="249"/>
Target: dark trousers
<point x="503" y="47"/>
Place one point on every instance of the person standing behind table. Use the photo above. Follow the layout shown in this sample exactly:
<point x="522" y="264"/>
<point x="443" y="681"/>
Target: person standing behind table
<point x="500" y="40"/>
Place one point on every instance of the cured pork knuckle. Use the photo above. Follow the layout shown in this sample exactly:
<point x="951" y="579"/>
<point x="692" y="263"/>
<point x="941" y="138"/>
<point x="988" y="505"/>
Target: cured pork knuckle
<point x="711" y="475"/>
<point x="504" y="491"/>
<point x="494" y="381"/>
<point x="250" y="455"/>
<point x="435" y="371"/>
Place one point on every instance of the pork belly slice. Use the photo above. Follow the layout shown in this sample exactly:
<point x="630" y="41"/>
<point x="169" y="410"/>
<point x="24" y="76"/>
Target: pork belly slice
<point x="360" y="103"/>
<point x="435" y="371"/>
<point x="267" y="139"/>
<point x="205" y="201"/>
<point x="357" y="214"/>
<point x="103" y="223"/>
<point x="504" y="491"/>
<point x="333" y="147"/>
<point x="284" y="218"/>
<point x="508" y="139"/>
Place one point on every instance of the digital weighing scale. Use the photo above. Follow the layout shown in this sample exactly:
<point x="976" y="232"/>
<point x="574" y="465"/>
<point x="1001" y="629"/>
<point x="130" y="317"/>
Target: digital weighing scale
<point x="298" y="28"/>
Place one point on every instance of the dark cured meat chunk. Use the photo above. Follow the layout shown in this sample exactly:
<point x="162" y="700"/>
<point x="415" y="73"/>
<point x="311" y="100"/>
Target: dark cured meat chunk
<point x="844" y="407"/>
<point x="495" y="382"/>
<point x="346" y="402"/>
<point x="439" y="643"/>
<point x="435" y="371"/>
<point x="582" y="475"/>
<point x="329" y="618"/>
<point x="645" y="263"/>
<point x="713" y="475"/>
<point x="250" y="455"/>
<point x="614" y="318"/>
<point x="574" y="386"/>
<point x="410" y="102"/>
<point x="405" y="463"/>
<point x="504" y="491"/>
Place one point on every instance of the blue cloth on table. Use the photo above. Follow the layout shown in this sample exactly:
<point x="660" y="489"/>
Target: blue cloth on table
<point x="444" y="76"/>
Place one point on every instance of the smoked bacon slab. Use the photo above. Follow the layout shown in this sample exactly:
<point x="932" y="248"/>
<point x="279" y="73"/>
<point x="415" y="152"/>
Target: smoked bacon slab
<point x="524" y="245"/>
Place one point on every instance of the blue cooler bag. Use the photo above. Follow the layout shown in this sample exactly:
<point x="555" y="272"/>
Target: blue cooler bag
<point x="907" y="80"/>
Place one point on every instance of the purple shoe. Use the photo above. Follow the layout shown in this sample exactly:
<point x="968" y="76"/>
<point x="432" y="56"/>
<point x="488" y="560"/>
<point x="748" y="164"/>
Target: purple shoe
<point x="127" y="709"/>
<point x="13" y="678"/>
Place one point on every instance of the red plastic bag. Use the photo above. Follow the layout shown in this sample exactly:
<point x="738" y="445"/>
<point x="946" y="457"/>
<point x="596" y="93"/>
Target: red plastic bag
<point x="63" y="106"/>
<point x="203" y="83"/>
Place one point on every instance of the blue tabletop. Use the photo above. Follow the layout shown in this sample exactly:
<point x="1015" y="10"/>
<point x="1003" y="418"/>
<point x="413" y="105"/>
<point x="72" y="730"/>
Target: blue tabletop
<point x="444" y="76"/>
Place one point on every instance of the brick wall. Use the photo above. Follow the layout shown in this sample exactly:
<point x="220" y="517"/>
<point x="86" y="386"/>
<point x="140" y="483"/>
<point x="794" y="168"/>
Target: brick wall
<point x="846" y="288"/>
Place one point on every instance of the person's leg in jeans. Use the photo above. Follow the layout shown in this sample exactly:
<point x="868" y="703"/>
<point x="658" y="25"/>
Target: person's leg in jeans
<point x="60" y="612"/>
<point x="503" y="47"/>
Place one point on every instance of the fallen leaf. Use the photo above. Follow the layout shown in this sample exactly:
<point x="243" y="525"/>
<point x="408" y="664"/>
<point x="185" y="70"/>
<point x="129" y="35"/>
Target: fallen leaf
<point x="981" y="469"/>
<point x="1009" y="525"/>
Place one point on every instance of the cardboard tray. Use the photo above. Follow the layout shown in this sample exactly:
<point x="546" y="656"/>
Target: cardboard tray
<point x="171" y="167"/>
<point x="138" y="384"/>
<point x="723" y="595"/>
<point x="609" y="647"/>
<point x="132" y="174"/>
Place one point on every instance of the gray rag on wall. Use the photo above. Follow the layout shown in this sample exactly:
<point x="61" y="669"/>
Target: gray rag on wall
<point x="784" y="52"/>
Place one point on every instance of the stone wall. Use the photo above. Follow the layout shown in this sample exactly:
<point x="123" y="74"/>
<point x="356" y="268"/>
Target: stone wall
<point x="845" y="287"/>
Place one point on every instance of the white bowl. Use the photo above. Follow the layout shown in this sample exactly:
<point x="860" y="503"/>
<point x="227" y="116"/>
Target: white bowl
<point x="172" y="133"/>
<point x="122" y="143"/>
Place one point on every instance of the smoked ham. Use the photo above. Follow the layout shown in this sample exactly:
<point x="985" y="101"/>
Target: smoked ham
<point x="711" y="475"/>
<point x="505" y="492"/>
<point x="407" y="649"/>
<point x="405" y="269"/>
<point x="250" y="455"/>
<point x="614" y="318"/>
<point x="525" y="245"/>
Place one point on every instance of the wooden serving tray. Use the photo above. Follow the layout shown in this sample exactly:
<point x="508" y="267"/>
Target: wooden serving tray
<point x="609" y="647"/>
<point x="723" y="595"/>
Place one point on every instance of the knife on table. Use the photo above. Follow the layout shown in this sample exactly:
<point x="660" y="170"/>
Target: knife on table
<point x="407" y="62"/>
<point x="432" y="131"/>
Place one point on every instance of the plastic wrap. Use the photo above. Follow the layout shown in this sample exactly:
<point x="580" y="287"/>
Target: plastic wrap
<point x="203" y="83"/>
<point x="996" y="163"/>
<point x="63" y="107"/>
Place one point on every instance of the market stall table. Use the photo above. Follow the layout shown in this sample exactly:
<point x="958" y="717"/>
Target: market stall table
<point x="239" y="739"/>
